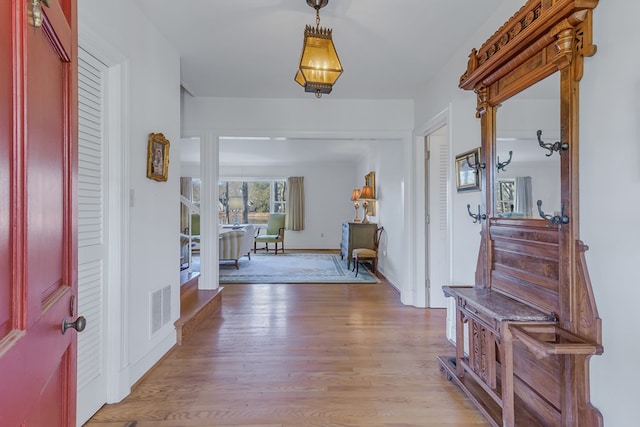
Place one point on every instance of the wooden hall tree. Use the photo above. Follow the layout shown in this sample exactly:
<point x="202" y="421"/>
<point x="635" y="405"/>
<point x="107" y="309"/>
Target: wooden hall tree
<point x="531" y="317"/>
<point x="38" y="243"/>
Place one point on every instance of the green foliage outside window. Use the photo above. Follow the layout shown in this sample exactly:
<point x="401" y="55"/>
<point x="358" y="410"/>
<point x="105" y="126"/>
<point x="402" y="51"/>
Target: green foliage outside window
<point x="258" y="197"/>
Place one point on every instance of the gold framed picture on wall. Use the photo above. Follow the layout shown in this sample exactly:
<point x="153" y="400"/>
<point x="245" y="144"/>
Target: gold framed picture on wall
<point x="158" y="157"/>
<point x="370" y="181"/>
<point x="468" y="170"/>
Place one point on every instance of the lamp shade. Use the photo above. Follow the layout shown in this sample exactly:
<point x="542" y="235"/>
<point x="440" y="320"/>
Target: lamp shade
<point x="355" y="195"/>
<point x="367" y="193"/>
<point x="236" y="203"/>
<point x="319" y="67"/>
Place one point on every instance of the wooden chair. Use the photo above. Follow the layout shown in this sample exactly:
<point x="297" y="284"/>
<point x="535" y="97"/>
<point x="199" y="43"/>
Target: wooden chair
<point x="274" y="234"/>
<point x="365" y="254"/>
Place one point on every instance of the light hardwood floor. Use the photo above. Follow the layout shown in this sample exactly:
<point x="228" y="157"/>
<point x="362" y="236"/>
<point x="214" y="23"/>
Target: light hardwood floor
<point x="302" y="355"/>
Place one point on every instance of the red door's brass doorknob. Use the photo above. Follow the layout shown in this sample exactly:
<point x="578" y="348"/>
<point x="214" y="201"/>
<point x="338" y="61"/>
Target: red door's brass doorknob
<point x="78" y="325"/>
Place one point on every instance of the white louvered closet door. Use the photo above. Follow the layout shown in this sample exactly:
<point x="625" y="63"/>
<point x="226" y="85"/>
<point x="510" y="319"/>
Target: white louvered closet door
<point x="438" y="209"/>
<point x="92" y="251"/>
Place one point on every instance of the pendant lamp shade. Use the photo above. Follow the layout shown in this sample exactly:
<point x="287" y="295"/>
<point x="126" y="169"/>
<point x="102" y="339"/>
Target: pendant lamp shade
<point x="319" y="67"/>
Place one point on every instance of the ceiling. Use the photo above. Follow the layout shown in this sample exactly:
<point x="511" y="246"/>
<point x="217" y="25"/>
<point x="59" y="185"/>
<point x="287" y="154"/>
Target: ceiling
<point x="250" y="48"/>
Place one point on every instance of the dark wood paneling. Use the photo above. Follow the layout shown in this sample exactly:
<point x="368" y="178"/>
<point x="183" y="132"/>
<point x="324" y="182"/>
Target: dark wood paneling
<point x="525" y="262"/>
<point x="548" y="251"/>
<point x="542" y="267"/>
<point x="530" y="293"/>
<point x="527" y="276"/>
<point x="542" y="374"/>
<point x="531" y="230"/>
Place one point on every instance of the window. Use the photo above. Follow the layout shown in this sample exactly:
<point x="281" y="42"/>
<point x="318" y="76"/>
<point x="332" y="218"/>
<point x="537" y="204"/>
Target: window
<point x="189" y="205"/>
<point x="190" y="189"/>
<point x="505" y="197"/>
<point x="250" y="202"/>
<point x="189" y="221"/>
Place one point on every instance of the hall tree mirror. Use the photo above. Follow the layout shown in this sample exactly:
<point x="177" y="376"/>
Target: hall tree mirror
<point x="527" y="327"/>
<point x="524" y="171"/>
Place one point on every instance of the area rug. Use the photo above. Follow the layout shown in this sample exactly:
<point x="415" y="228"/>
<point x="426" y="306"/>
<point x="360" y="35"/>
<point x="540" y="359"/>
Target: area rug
<point x="293" y="268"/>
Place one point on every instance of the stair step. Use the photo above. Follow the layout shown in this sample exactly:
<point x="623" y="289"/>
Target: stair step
<point x="195" y="306"/>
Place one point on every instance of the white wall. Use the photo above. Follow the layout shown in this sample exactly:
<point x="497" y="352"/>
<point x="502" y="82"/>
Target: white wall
<point x="610" y="202"/>
<point x="609" y="195"/>
<point x="441" y="94"/>
<point x="386" y="160"/>
<point x="153" y="78"/>
<point x="285" y="117"/>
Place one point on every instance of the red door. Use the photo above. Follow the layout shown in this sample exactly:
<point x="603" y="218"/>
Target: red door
<point x="38" y="158"/>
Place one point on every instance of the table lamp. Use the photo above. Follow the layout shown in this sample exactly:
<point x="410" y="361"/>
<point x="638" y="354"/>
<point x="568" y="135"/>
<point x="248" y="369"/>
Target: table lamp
<point x="355" y="196"/>
<point x="236" y="205"/>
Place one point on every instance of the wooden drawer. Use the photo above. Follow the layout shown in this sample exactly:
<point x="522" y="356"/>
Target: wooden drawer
<point x="479" y="316"/>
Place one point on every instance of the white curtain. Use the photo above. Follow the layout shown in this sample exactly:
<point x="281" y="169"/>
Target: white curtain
<point x="524" y="199"/>
<point x="295" y="203"/>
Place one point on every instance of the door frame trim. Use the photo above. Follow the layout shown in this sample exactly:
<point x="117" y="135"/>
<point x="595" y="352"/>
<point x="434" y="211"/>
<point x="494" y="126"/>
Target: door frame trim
<point x="443" y="118"/>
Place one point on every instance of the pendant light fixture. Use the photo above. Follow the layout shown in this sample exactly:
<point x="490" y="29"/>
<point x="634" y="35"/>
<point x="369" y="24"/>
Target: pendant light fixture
<point x="319" y="64"/>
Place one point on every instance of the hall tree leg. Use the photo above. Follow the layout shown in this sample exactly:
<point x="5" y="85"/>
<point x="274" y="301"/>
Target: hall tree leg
<point x="506" y="348"/>
<point x="459" y="342"/>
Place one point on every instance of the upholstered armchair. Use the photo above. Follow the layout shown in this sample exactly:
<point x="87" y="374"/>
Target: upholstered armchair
<point x="235" y="244"/>
<point x="195" y="233"/>
<point x="274" y="233"/>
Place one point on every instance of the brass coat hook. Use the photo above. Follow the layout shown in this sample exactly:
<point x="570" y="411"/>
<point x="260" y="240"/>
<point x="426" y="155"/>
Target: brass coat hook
<point x="476" y="167"/>
<point x="553" y="219"/>
<point x="556" y="146"/>
<point x="502" y="166"/>
<point x="476" y="217"/>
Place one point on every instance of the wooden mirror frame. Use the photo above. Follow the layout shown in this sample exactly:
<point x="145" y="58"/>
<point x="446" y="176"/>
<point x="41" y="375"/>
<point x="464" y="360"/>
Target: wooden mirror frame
<point x="532" y="261"/>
